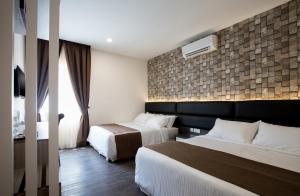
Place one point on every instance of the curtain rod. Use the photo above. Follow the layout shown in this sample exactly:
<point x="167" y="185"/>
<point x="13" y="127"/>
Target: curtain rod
<point x="62" y="40"/>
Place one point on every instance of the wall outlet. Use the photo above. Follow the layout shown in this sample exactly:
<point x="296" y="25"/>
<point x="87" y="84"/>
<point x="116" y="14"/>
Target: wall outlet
<point x="195" y="130"/>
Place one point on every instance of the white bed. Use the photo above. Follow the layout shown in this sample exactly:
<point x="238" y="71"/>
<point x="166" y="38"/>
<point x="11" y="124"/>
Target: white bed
<point x="103" y="140"/>
<point x="159" y="175"/>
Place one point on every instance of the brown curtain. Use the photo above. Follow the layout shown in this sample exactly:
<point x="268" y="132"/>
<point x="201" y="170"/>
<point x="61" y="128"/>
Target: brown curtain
<point x="78" y="58"/>
<point x="42" y="74"/>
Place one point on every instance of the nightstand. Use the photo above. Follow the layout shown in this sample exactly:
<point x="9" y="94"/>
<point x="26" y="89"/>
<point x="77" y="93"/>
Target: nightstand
<point x="183" y="136"/>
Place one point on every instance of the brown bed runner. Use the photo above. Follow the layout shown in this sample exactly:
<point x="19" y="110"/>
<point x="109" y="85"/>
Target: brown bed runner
<point x="254" y="176"/>
<point x="128" y="140"/>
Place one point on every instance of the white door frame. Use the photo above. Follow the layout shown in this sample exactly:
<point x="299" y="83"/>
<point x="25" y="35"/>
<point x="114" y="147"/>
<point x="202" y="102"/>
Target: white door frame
<point x="31" y="100"/>
<point x="53" y="98"/>
<point x="6" y="96"/>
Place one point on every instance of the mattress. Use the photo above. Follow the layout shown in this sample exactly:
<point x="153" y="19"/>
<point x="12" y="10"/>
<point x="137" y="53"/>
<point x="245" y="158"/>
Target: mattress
<point x="103" y="141"/>
<point x="157" y="174"/>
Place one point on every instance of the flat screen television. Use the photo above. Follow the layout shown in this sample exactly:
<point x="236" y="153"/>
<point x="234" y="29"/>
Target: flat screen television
<point x="19" y="82"/>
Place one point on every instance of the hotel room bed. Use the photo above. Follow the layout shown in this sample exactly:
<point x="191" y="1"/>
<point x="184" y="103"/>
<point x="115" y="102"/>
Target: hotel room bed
<point x="189" y="167"/>
<point x="103" y="141"/>
<point x="158" y="174"/>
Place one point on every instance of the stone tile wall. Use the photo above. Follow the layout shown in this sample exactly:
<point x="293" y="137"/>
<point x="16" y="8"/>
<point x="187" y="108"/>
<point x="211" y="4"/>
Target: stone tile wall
<point x="258" y="58"/>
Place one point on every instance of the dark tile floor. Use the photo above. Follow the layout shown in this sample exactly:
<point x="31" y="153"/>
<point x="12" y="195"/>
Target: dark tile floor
<point x="84" y="172"/>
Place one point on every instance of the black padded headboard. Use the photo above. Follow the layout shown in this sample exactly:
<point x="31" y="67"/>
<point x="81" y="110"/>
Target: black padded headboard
<point x="279" y="112"/>
<point x="161" y="107"/>
<point x="202" y="115"/>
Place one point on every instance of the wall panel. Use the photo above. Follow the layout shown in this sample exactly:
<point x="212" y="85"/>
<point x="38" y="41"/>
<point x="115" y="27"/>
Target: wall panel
<point x="257" y="58"/>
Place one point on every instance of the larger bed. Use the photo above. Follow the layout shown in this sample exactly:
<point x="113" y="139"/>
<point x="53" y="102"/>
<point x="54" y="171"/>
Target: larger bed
<point x="161" y="171"/>
<point x="157" y="174"/>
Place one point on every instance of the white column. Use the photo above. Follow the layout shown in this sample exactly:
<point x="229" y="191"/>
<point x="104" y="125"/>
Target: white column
<point x="30" y="100"/>
<point x="6" y="67"/>
<point x="53" y="98"/>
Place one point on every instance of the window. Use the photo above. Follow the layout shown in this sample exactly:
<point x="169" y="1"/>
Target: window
<point x="67" y="104"/>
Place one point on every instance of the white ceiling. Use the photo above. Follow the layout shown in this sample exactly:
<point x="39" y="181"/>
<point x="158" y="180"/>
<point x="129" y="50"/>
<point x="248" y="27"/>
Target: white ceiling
<point x="146" y="28"/>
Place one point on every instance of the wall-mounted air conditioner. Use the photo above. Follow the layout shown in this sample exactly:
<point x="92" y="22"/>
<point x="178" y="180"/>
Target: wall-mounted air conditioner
<point x="205" y="45"/>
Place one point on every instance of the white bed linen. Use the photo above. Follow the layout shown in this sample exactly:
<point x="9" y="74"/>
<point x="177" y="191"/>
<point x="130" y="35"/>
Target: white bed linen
<point x="159" y="175"/>
<point x="103" y="140"/>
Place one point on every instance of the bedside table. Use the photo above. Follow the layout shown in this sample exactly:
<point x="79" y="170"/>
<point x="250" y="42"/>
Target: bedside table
<point x="183" y="136"/>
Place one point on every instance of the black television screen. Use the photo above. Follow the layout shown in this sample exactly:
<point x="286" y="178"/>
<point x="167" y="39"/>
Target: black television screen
<point x="19" y="82"/>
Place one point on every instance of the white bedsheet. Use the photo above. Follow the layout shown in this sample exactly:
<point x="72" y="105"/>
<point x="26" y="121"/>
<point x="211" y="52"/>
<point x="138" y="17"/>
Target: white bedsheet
<point x="103" y="140"/>
<point x="159" y="175"/>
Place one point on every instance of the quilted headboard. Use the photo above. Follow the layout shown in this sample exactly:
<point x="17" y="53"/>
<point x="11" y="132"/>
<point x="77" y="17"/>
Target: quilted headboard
<point x="202" y="115"/>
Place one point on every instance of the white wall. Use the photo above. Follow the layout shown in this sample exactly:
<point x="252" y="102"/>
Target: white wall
<point x="118" y="87"/>
<point x="19" y="59"/>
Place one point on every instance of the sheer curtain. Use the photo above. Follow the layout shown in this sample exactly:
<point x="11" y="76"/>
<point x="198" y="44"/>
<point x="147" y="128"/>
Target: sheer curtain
<point x="70" y="124"/>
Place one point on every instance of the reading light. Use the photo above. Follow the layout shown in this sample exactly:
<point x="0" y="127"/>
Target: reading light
<point x="208" y="99"/>
<point x="108" y="40"/>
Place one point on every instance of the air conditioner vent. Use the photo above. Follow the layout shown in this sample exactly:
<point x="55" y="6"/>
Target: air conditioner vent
<point x="198" y="51"/>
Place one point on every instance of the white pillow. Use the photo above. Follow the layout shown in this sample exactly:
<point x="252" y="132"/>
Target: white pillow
<point x="234" y="130"/>
<point x="142" y="118"/>
<point x="278" y="137"/>
<point x="171" y="121"/>
<point x="157" y="121"/>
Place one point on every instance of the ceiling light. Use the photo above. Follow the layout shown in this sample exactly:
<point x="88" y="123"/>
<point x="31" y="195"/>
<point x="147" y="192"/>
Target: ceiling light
<point x="108" y="40"/>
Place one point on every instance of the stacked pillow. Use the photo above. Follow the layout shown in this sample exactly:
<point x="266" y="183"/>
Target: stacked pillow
<point x="278" y="138"/>
<point x="155" y="120"/>
<point x="171" y="120"/>
<point x="236" y="131"/>
<point x="142" y="118"/>
<point x="259" y="133"/>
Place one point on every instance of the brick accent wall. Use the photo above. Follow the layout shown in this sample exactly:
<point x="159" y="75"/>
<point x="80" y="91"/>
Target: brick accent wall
<point x="258" y="58"/>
